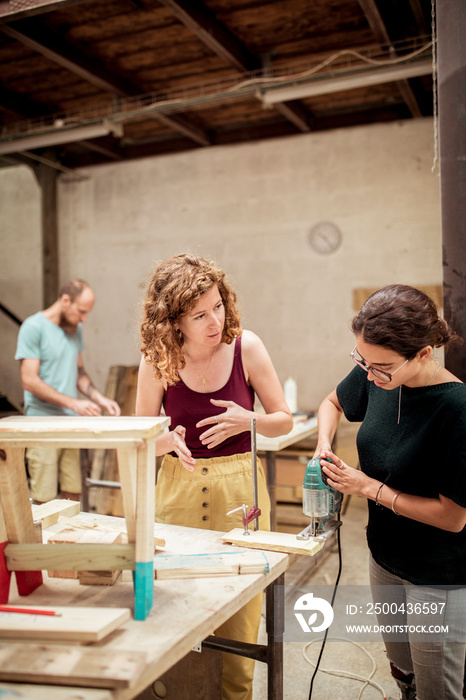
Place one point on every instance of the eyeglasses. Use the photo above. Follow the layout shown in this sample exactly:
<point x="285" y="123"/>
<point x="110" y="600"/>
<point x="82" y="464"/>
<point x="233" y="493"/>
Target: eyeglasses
<point x="379" y="373"/>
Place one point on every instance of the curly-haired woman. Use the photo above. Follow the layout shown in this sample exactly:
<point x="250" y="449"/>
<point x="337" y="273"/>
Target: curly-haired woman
<point x="204" y="370"/>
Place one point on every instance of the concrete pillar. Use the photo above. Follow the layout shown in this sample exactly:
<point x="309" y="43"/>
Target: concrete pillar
<point x="48" y="183"/>
<point x="451" y="31"/>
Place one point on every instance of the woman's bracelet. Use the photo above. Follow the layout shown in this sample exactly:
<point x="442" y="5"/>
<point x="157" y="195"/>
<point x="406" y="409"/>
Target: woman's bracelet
<point x="394" y="501"/>
<point x="379" y="490"/>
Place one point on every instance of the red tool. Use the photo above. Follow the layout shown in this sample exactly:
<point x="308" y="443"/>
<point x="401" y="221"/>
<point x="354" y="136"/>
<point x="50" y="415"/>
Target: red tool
<point x="253" y="513"/>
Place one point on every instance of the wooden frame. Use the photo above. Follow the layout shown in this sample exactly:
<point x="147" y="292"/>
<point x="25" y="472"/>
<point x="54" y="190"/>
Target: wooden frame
<point x="134" y="440"/>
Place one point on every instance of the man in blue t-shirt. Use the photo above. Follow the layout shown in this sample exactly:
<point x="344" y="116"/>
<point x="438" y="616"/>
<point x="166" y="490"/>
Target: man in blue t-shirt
<point x="50" y="346"/>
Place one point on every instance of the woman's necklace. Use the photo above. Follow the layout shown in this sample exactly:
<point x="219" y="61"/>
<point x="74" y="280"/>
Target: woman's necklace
<point x="202" y="374"/>
<point x="435" y="373"/>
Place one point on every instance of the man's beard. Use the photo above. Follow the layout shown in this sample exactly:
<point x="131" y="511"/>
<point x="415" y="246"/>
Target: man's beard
<point x="67" y="326"/>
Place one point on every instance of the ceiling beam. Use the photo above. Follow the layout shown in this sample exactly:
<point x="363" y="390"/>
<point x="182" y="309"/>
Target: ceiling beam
<point x="201" y="21"/>
<point x="184" y="127"/>
<point x="103" y="150"/>
<point x="379" y="30"/>
<point x="36" y="35"/>
<point x="422" y="22"/>
<point x="294" y="112"/>
<point x="375" y="21"/>
<point x="21" y="106"/>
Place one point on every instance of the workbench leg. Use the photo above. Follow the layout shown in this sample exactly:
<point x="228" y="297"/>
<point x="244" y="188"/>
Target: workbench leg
<point x="275" y="622"/>
<point x="128" y="469"/>
<point x="271" y="486"/>
<point x="5" y="575"/>
<point x="17" y="511"/>
<point x="84" y="465"/>
<point x="145" y="516"/>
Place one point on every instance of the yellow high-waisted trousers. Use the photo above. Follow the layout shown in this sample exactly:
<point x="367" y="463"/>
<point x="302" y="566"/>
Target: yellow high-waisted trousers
<point x="202" y="499"/>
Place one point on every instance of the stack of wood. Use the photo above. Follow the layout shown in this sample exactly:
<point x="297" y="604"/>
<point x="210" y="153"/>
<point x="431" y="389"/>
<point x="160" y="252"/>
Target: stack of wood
<point x="76" y="535"/>
<point x="61" y="522"/>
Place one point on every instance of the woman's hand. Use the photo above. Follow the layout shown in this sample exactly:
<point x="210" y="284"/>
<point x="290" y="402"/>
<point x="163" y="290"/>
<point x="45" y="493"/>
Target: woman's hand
<point x="342" y="477"/>
<point x="231" y="422"/>
<point x="322" y="447"/>
<point x="180" y="448"/>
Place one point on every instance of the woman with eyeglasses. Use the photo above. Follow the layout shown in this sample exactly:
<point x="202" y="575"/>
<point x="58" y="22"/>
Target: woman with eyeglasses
<point x="412" y="453"/>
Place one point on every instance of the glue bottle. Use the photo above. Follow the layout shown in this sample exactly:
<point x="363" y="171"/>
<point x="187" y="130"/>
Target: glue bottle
<point x="290" y="390"/>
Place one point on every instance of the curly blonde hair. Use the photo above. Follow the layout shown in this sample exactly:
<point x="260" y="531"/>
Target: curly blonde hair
<point x="174" y="289"/>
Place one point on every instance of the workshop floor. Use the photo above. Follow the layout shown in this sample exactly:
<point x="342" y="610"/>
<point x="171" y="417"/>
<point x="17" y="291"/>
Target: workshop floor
<point x="338" y="656"/>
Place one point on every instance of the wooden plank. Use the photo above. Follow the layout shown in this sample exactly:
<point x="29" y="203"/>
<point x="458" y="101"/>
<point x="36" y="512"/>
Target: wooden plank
<point x="61" y="665"/>
<point x="48" y="513"/>
<point x="98" y="578"/>
<point x="67" y="430"/>
<point x="93" y="521"/>
<point x="69" y="557"/>
<point x="5" y="575"/>
<point x="434" y="291"/>
<point x="73" y="535"/>
<point x="145" y="507"/>
<point x="128" y="469"/>
<point x="3" y="535"/>
<point x="17" y="512"/>
<point x="273" y="541"/>
<point x="72" y="441"/>
<point x="70" y="624"/>
<point x="207" y="565"/>
<point x="15" y="497"/>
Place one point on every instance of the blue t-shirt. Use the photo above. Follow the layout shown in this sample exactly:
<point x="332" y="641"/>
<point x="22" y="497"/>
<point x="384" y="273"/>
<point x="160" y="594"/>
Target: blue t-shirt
<point x="58" y="353"/>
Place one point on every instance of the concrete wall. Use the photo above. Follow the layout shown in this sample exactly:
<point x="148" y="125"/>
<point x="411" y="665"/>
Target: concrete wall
<point x="250" y="207"/>
<point x="20" y="265"/>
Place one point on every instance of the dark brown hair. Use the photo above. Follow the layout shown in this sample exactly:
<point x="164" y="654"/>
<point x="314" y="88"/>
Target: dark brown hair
<point x="403" y="319"/>
<point x="176" y="286"/>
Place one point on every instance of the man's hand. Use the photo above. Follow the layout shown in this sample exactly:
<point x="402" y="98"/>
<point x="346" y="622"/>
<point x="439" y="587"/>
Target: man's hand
<point x="108" y="405"/>
<point x="84" y="407"/>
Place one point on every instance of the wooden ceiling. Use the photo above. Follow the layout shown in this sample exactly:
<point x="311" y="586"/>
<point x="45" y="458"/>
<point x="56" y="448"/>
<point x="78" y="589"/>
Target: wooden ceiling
<point x="147" y="77"/>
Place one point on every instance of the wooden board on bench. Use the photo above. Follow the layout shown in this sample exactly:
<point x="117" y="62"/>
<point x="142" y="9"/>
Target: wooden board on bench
<point x="272" y="541"/>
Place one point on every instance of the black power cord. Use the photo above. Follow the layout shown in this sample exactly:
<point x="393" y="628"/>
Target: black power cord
<point x="333" y="598"/>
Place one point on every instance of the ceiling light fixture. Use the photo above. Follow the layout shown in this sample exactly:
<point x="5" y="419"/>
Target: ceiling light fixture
<point x="58" y="136"/>
<point x="364" y="78"/>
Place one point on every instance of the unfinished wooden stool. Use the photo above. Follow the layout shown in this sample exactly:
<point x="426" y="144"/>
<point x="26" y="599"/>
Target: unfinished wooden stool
<point x="134" y="440"/>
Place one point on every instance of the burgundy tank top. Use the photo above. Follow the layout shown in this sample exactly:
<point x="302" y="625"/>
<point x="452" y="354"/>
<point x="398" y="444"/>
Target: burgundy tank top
<point x="187" y="407"/>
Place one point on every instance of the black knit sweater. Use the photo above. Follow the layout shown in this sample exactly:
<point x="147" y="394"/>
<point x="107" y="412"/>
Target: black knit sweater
<point x="424" y="454"/>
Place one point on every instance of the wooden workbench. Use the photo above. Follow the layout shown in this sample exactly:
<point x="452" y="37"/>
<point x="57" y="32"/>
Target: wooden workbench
<point x="184" y="613"/>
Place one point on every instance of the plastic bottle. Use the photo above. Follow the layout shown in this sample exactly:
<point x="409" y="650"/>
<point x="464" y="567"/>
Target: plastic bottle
<point x="290" y="390"/>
